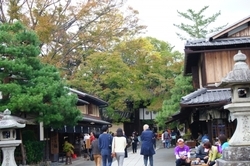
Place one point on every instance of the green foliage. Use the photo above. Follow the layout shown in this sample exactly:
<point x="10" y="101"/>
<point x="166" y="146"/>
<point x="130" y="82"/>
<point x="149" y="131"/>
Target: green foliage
<point x="182" y="87"/>
<point x="198" y="27"/>
<point x="34" y="149"/>
<point x="140" y="71"/>
<point x="29" y="86"/>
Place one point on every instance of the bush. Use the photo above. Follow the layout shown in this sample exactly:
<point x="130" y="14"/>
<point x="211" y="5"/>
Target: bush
<point x="34" y="151"/>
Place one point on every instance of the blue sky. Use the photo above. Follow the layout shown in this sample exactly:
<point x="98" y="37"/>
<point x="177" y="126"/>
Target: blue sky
<point x="160" y="15"/>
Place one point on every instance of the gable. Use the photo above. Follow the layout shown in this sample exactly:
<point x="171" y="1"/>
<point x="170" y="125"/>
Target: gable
<point x="234" y="37"/>
<point x="236" y="28"/>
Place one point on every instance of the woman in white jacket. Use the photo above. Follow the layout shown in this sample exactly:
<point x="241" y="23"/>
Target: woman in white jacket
<point x="119" y="143"/>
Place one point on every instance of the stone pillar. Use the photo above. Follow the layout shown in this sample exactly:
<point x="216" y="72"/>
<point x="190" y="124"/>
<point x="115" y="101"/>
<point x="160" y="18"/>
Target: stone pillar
<point x="8" y="142"/>
<point x="238" y="152"/>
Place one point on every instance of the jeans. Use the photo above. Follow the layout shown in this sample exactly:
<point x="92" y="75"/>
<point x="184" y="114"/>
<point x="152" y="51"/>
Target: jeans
<point x="146" y="157"/>
<point x="106" y="160"/>
<point x="167" y="142"/>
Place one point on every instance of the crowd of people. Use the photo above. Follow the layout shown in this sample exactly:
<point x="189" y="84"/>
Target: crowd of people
<point x="103" y="148"/>
<point x="106" y="146"/>
<point x="206" y="152"/>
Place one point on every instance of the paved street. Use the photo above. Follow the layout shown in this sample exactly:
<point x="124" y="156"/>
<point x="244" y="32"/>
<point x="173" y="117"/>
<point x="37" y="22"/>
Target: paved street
<point x="162" y="157"/>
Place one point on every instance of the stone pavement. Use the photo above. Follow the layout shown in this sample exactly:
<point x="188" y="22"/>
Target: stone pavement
<point x="162" y="157"/>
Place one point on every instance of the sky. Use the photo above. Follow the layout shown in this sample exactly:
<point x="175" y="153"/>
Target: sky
<point x="160" y="15"/>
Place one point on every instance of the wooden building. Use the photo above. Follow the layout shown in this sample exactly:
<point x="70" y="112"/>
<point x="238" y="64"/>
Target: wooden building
<point x="208" y="61"/>
<point x="91" y="109"/>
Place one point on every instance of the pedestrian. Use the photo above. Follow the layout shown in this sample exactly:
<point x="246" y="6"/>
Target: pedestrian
<point x="182" y="153"/>
<point x="135" y="140"/>
<point x="96" y="151"/>
<point x="173" y="138"/>
<point x="128" y="144"/>
<point x="147" y="148"/>
<point x="167" y="138"/>
<point x="105" y="144"/>
<point x="91" y="136"/>
<point x="163" y="139"/>
<point x="119" y="143"/>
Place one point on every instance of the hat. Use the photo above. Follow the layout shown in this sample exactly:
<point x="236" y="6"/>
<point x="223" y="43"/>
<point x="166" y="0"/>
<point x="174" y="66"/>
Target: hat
<point x="180" y="140"/>
<point x="205" y="140"/>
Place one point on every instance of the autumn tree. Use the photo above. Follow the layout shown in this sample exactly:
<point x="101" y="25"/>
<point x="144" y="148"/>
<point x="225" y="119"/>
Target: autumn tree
<point x="29" y="86"/>
<point x="198" y="25"/>
<point x="72" y="30"/>
<point x="134" y="71"/>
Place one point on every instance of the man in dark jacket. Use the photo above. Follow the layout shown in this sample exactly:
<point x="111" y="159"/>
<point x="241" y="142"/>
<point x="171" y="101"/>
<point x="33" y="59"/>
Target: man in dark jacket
<point x="202" y="152"/>
<point x="147" y="148"/>
<point x="105" y="142"/>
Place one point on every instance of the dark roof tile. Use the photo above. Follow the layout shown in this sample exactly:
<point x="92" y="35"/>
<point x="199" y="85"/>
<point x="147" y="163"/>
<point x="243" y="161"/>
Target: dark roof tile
<point x="218" y="42"/>
<point x="203" y="96"/>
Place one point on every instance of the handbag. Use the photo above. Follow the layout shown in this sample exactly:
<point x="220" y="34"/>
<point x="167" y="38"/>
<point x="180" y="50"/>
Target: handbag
<point x="113" y="155"/>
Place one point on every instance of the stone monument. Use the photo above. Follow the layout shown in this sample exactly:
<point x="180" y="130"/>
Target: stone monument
<point x="238" y="152"/>
<point x="8" y="142"/>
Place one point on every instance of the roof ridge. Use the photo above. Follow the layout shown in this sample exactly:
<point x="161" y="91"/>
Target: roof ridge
<point x="193" y="94"/>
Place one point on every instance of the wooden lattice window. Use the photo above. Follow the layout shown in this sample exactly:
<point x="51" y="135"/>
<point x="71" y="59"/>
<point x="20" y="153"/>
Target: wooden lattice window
<point x="222" y="126"/>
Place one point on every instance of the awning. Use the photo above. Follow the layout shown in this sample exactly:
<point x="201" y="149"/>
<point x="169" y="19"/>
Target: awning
<point x="176" y="117"/>
<point x="94" y="120"/>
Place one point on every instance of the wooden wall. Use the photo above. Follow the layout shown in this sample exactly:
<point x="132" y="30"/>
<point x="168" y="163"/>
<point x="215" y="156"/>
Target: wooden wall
<point x="243" y="33"/>
<point x="219" y="64"/>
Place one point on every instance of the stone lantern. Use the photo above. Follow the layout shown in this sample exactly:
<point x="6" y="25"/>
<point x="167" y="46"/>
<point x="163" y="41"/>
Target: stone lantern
<point x="239" y="145"/>
<point x="8" y="142"/>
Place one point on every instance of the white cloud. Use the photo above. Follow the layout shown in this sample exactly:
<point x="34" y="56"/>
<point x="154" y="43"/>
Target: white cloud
<point x="160" y="15"/>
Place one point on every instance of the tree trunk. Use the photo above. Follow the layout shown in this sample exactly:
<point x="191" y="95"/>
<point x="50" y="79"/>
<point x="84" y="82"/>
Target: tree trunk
<point x="22" y="149"/>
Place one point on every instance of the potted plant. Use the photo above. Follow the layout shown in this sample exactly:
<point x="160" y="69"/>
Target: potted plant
<point x="68" y="148"/>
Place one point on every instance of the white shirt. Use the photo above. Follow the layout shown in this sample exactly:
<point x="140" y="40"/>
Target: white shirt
<point x="86" y="137"/>
<point x="119" y="144"/>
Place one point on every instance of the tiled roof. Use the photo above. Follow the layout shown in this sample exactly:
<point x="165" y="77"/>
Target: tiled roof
<point x="204" y="95"/>
<point x="218" y="42"/>
<point x="84" y="97"/>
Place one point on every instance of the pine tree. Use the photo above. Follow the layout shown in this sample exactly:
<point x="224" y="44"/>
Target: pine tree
<point x="199" y="24"/>
<point x="28" y="86"/>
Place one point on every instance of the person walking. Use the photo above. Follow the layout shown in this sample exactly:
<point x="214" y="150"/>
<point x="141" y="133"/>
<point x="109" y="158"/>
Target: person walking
<point x="96" y="151"/>
<point x="147" y="148"/>
<point x="135" y="140"/>
<point x="128" y="144"/>
<point x="119" y="143"/>
<point x="167" y="138"/>
<point x="163" y="139"/>
<point x="105" y="144"/>
<point x="173" y="138"/>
